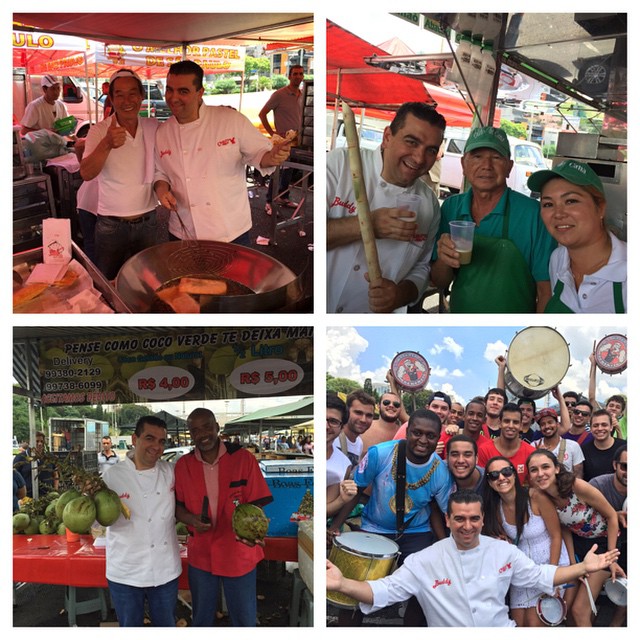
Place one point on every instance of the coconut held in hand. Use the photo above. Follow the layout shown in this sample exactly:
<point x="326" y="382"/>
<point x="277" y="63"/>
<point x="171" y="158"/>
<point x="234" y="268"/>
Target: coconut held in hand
<point x="249" y="522"/>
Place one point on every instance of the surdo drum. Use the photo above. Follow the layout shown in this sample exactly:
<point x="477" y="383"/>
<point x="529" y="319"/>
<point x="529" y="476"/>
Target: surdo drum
<point x="361" y="556"/>
<point x="611" y="354"/>
<point x="537" y="360"/>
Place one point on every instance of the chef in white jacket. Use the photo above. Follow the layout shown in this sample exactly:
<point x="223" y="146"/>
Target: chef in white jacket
<point x="462" y="581"/>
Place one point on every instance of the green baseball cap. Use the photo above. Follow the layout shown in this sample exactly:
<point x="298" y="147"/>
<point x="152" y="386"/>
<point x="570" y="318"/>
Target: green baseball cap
<point x="573" y="171"/>
<point x="488" y="138"/>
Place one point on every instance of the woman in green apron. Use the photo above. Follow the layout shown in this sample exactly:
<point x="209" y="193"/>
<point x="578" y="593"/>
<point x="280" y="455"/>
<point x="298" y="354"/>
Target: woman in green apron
<point x="589" y="268"/>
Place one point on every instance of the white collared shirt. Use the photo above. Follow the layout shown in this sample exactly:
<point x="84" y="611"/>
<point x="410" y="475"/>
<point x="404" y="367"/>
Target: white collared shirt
<point x="143" y="551"/>
<point x="595" y="294"/>
<point x="347" y="290"/>
<point x="204" y="162"/>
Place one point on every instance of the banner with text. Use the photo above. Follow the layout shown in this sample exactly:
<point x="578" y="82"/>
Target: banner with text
<point x="191" y="363"/>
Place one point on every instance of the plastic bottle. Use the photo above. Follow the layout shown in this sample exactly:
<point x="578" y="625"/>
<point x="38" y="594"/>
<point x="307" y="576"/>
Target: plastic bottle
<point x="466" y="22"/>
<point x="493" y="27"/>
<point x="463" y="53"/>
<point x="453" y="75"/>
<point x="475" y="65"/>
<point x="485" y="82"/>
<point x="481" y="25"/>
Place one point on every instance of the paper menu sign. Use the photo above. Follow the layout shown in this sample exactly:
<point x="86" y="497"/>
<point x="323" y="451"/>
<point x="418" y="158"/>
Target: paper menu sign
<point x="56" y="240"/>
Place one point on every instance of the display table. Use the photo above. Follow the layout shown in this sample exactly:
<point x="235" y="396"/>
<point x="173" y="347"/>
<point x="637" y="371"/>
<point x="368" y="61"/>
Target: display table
<point x="53" y="560"/>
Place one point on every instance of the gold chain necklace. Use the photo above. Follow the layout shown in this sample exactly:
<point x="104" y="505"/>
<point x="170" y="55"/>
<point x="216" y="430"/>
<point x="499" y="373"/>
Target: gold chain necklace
<point x="408" y="502"/>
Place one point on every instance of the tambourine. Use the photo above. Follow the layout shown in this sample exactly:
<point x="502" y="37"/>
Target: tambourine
<point x="410" y="370"/>
<point x="552" y="610"/>
<point x="617" y="591"/>
<point x="611" y="354"/>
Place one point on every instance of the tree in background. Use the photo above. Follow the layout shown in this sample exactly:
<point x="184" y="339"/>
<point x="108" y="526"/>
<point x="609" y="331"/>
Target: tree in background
<point x="518" y="130"/>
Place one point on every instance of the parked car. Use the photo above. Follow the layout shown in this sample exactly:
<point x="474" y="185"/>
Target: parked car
<point x="527" y="158"/>
<point x="174" y="454"/>
<point x="154" y="104"/>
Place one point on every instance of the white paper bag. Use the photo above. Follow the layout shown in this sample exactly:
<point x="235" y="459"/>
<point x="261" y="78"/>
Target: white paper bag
<point x="56" y="240"/>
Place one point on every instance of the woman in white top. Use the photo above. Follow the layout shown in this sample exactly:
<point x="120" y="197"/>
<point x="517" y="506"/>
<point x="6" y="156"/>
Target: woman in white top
<point x="588" y="270"/>
<point x="527" y="519"/>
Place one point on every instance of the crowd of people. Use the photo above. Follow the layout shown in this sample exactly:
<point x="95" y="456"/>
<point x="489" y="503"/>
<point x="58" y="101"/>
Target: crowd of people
<point x="555" y="255"/>
<point x="491" y="506"/>
<point x="193" y="164"/>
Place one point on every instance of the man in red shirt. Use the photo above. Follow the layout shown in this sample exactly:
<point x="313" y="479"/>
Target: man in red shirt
<point x="508" y="443"/>
<point x="222" y="475"/>
<point x="474" y="416"/>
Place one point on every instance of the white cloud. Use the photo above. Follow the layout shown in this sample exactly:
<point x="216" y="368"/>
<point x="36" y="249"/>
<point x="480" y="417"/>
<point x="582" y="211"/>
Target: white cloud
<point x="494" y="349"/>
<point x="456" y="373"/>
<point x="450" y="345"/>
<point x="346" y="344"/>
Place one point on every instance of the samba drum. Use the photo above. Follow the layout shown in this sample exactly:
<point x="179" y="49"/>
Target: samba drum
<point x="552" y="610"/>
<point x="537" y="360"/>
<point x="410" y="370"/>
<point x="617" y="591"/>
<point x="361" y="556"/>
<point x="611" y="354"/>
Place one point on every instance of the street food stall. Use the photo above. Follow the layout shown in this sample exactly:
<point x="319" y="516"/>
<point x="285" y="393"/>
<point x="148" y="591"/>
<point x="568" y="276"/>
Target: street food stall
<point x="261" y="281"/>
<point x="169" y="364"/>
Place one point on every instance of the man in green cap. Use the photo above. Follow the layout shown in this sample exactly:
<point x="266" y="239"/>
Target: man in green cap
<point x="509" y="268"/>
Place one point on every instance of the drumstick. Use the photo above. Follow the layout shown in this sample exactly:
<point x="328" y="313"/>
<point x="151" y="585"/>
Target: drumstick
<point x="362" y="203"/>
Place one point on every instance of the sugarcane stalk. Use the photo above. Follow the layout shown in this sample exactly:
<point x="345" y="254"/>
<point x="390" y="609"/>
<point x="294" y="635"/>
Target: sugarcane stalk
<point x="362" y="203"/>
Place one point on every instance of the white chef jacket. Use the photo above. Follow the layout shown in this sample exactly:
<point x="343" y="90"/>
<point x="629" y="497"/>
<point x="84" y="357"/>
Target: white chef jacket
<point x="462" y="588"/>
<point x="143" y="551"/>
<point x="595" y="294"/>
<point x="204" y="162"/>
<point x="125" y="183"/>
<point x="39" y="114"/>
<point x="347" y="290"/>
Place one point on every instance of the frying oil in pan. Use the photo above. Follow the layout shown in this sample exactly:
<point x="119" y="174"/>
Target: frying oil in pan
<point x="233" y="289"/>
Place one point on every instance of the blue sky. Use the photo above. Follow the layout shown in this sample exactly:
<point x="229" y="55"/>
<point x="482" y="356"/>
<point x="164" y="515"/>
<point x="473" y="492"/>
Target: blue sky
<point x="461" y="358"/>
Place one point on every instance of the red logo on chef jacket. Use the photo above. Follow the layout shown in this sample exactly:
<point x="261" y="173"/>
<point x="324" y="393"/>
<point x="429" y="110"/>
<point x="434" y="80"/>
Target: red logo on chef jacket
<point x="505" y="568"/>
<point x="125" y="495"/>
<point x="165" y="152"/>
<point x="445" y="582"/>
<point x="226" y="141"/>
<point x="349" y="206"/>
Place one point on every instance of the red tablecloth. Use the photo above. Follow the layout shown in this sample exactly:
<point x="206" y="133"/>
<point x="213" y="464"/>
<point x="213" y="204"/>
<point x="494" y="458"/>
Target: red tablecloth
<point x="53" y="560"/>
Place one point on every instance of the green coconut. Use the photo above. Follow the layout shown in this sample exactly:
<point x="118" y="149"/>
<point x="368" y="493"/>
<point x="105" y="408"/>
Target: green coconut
<point x="249" y="522"/>
<point x="65" y="499"/>
<point x="21" y="522"/>
<point x="62" y="530"/>
<point x="79" y="514"/>
<point x="107" y="507"/>
<point x="33" y="528"/>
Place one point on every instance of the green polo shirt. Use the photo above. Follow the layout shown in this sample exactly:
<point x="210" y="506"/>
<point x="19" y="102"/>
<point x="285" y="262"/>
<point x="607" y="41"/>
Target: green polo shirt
<point x="526" y="229"/>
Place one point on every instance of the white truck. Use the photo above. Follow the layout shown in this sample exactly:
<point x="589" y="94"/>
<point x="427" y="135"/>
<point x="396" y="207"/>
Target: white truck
<point x="527" y="158"/>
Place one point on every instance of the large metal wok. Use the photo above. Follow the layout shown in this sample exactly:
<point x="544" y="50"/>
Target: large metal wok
<point x="267" y="285"/>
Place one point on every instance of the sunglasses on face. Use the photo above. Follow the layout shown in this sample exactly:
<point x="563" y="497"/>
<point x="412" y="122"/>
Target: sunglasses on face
<point x="334" y="423"/>
<point x="507" y="472"/>
<point x="570" y="404"/>
<point x="622" y="465"/>
<point x="577" y="412"/>
<point x="395" y="403"/>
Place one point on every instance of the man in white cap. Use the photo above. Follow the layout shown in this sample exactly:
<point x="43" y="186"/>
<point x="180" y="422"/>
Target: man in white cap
<point x="119" y="153"/>
<point x="42" y="112"/>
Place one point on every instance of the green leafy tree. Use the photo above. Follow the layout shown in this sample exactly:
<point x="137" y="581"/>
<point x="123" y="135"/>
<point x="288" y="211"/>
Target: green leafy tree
<point x="518" y="130"/>
<point x="225" y="86"/>
<point x="277" y="82"/>
<point x="342" y="385"/>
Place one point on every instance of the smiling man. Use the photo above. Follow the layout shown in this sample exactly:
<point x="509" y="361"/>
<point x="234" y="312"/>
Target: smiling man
<point x="463" y="581"/>
<point x="508" y="443"/>
<point x="210" y="482"/>
<point x="201" y="158"/>
<point x="119" y="154"/>
<point x="402" y="512"/>
<point x="143" y="557"/>
<point x="600" y="452"/>
<point x="509" y="269"/>
<point x="409" y="149"/>
<point x="385" y="427"/>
